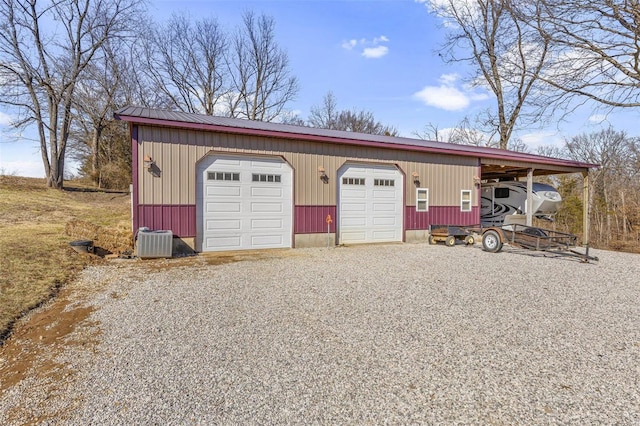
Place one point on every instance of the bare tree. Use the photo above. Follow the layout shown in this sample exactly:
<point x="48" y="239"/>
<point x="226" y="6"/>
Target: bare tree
<point x="327" y="116"/>
<point x="615" y="183"/>
<point x="261" y="83"/>
<point x="93" y="105"/>
<point x="41" y="63"/>
<point x="508" y="56"/>
<point x="187" y="63"/>
<point x="463" y="133"/>
<point x="596" y="53"/>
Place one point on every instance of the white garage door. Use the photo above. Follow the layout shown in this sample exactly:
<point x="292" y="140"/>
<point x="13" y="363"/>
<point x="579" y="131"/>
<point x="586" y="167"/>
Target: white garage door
<point x="370" y="204"/>
<point x="244" y="203"/>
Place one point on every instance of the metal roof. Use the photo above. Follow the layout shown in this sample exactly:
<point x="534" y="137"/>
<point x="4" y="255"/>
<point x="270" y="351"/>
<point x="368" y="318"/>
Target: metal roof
<point x="158" y="117"/>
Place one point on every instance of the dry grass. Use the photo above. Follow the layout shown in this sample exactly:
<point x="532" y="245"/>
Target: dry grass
<point x="35" y="257"/>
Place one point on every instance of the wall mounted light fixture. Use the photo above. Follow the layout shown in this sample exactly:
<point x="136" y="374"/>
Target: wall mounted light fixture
<point x="476" y="180"/>
<point x="416" y="178"/>
<point x="323" y="174"/>
<point x="151" y="166"/>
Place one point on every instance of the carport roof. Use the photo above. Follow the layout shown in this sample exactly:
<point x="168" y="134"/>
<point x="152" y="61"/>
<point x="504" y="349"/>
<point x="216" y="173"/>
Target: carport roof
<point x="495" y="162"/>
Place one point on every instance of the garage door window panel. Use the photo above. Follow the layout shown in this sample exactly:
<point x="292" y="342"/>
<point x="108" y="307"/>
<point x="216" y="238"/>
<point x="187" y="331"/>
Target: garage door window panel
<point x="383" y="182"/>
<point x="224" y="176"/>
<point x="353" y="181"/>
<point x="266" y="178"/>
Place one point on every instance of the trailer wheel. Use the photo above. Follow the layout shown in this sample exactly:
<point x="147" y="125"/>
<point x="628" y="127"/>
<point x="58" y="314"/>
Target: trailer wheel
<point x="450" y="241"/>
<point x="432" y="240"/>
<point x="491" y="242"/>
<point x="469" y="240"/>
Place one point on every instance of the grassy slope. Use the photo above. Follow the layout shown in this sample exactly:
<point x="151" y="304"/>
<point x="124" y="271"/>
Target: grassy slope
<point x="35" y="258"/>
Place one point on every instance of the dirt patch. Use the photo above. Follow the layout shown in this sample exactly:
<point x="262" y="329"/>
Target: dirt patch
<point x="39" y="338"/>
<point x="110" y="239"/>
<point x="217" y="258"/>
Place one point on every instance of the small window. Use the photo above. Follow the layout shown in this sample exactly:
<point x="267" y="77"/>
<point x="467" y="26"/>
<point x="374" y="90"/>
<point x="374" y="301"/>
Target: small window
<point x="223" y="176"/>
<point x="352" y="181"/>
<point x="465" y="200"/>
<point x="501" y="192"/>
<point x="257" y="177"/>
<point x="383" y="182"/>
<point x="422" y="199"/>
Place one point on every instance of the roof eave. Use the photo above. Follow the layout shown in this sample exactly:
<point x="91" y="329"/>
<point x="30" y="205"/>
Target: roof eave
<point x="458" y="150"/>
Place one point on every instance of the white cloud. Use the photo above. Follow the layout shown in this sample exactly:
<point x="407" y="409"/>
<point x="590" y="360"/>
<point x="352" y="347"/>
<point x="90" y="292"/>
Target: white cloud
<point x="598" y="118"/>
<point x="449" y="78"/>
<point x="5" y="119"/>
<point x="349" y="44"/>
<point x="375" y="52"/>
<point x="540" y="139"/>
<point x="447" y="96"/>
<point x="443" y="97"/>
<point x="370" y="48"/>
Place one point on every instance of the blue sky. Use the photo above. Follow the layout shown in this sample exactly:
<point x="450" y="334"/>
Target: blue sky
<point x="374" y="55"/>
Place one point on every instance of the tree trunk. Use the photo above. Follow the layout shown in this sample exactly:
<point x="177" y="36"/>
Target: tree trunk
<point x="95" y="163"/>
<point x="624" y="217"/>
<point x="607" y="215"/>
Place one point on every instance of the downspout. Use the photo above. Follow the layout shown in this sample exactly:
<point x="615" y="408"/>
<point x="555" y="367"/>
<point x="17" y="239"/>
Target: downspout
<point x="530" y="197"/>
<point x="134" y="177"/>
<point x="585" y="209"/>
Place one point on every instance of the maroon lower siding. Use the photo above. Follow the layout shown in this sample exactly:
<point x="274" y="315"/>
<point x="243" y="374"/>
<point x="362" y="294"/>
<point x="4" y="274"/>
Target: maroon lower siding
<point x="439" y="215"/>
<point x="312" y="219"/>
<point x="180" y="219"/>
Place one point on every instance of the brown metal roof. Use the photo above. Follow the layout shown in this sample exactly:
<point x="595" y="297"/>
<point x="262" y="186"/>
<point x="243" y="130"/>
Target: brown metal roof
<point x="157" y="117"/>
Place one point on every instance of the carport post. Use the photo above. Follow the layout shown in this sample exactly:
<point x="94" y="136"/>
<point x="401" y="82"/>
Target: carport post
<point x="585" y="209"/>
<point x="530" y="197"/>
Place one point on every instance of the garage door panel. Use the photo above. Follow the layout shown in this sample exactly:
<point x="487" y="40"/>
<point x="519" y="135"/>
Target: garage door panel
<point x="275" y="164"/>
<point x="353" y="193"/>
<point x="385" y="221"/>
<point x="384" y="207"/>
<point x="223" y="207"/>
<point x="228" y="191"/>
<point x="213" y="225"/>
<point x="264" y="207"/>
<point x="355" y="221"/>
<point x="266" y="224"/>
<point x="227" y="161"/>
<point x="266" y="192"/>
<point x="354" y="207"/>
<point x="266" y="240"/>
<point x="353" y="236"/>
<point x="384" y="235"/>
<point x="229" y="242"/>
<point x="384" y="194"/>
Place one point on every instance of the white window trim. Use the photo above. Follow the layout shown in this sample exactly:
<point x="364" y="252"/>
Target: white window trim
<point x="426" y="191"/>
<point x="462" y="200"/>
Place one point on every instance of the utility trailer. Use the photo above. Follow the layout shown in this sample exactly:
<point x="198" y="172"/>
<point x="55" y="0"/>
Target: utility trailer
<point x="450" y="234"/>
<point x="532" y="238"/>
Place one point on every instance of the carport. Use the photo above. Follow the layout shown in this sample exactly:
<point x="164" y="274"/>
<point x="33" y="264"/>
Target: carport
<point x="505" y="169"/>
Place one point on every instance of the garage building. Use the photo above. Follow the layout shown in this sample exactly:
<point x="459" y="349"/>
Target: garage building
<point x="230" y="184"/>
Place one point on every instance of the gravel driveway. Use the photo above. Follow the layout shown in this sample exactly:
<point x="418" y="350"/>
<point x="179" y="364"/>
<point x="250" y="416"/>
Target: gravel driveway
<point x="407" y="333"/>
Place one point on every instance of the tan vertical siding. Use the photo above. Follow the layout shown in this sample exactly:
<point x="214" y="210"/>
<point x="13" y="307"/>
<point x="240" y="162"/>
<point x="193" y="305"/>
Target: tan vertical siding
<point x="176" y="153"/>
